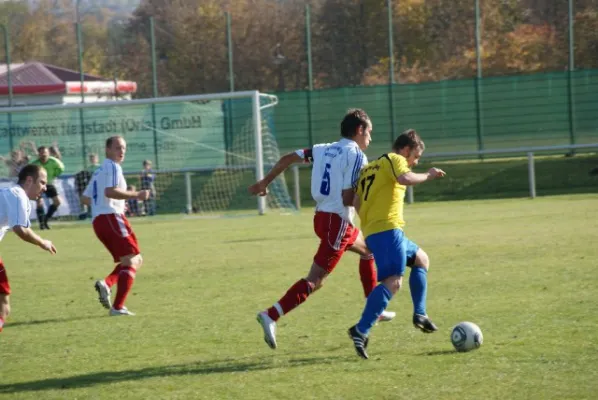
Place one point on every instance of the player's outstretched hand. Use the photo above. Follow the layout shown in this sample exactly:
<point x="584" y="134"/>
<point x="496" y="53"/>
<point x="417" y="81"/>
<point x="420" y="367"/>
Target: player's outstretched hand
<point x="48" y="246"/>
<point x="258" y="189"/>
<point x="143" y="195"/>
<point x="436" y="173"/>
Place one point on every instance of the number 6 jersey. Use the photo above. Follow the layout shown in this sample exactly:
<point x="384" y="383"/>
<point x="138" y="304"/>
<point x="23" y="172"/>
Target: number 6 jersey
<point x="109" y="174"/>
<point x="336" y="167"/>
<point x="380" y="195"/>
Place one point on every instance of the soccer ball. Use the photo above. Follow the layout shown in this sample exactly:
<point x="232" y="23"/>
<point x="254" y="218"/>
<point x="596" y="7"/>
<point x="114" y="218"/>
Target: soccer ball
<point x="466" y="336"/>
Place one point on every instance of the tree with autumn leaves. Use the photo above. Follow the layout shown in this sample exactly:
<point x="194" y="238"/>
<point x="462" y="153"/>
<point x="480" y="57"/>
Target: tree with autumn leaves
<point x="433" y="40"/>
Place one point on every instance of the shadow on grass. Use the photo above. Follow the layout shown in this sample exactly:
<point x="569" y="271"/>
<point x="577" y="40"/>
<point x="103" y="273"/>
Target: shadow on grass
<point x="10" y="325"/>
<point x="195" y="368"/>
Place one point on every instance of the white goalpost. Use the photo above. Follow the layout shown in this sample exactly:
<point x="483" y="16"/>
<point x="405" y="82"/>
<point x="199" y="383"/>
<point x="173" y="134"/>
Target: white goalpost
<point x="259" y="156"/>
<point x="204" y="150"/>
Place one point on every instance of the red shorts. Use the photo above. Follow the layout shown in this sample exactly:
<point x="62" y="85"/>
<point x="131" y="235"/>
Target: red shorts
<point x="115" y="232"/>
<point x="4" y="286"/>
<point x="336" y="236"/>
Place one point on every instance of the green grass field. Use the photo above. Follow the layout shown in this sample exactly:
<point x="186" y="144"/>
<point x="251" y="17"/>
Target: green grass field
<point x="524" y="270"/>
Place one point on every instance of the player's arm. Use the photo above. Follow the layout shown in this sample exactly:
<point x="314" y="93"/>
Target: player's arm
<point x="356" y="202"/>
<point x="299" y="156"/>
<point x="348" y="197"/>
<point x="413" y="178"/>
<point x="112" y="191"/>
<point x="19" y="222"/>
<point x="29" y="236"/>
<point x="59" y="167"/>
<point x="120" y="194"/>
<point x="405" y="176"/>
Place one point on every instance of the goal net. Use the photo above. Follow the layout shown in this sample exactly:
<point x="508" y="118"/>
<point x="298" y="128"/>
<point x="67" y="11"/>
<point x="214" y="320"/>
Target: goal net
<point x="197" y="154"/>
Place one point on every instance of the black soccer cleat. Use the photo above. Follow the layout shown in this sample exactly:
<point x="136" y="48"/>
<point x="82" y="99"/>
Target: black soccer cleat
<point x="359" y="341"/>
<point x="424" y="324"/>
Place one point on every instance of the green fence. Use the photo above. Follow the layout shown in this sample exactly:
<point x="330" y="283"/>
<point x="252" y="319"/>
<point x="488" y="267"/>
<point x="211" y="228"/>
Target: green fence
<point x="516" y="111"/>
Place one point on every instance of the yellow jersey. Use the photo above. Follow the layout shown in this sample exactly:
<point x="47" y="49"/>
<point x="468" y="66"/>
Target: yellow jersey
<point x="381" y="196"/>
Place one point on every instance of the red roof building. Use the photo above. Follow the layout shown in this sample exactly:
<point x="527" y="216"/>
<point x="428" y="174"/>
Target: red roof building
<point x="35" y="83"/>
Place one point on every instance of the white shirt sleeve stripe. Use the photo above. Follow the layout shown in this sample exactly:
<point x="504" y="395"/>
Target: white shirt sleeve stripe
<point x="357" y="167"/>
<point x="114" y="174"/>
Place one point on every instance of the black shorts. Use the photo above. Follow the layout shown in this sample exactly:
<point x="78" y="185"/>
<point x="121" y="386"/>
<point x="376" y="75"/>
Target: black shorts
<point x="51" y="191"/>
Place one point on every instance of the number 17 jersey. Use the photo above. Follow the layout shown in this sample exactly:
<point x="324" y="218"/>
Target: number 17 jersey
<point x="381" y="196"/>
<point x="109" y="174"/>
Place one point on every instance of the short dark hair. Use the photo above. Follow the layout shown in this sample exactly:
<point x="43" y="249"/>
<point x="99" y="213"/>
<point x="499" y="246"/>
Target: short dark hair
<point x="409" y="138"/>
<point x="29" y="170"/>
<point x="354" y="118"/>
<point x="112" y="139"/>
<point x="42" y="148"/>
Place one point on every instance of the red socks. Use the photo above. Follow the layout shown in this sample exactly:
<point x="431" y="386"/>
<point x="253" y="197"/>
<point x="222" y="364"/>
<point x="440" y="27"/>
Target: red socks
<point x="113" y="277"/>
<point x="1" y="323"/>
<point x="301" y="290"/>
<point x="126" y="276"/>
<point x="368" y="275"/>
<point x="296" y="295"/>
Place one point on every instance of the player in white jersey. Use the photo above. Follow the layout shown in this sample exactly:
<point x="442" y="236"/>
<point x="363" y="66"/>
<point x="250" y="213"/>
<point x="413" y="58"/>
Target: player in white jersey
<point x="15" y="208"/>
<point x="336" y="168"/>
<point x="106" y="193"/>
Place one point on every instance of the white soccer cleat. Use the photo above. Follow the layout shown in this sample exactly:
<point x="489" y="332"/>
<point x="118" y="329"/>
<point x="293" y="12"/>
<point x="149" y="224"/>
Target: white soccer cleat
<point x="387" y="316"/>
<point x="123" y="311"/>
<point x="103" y="293"/>
<point x="269" y="327"/>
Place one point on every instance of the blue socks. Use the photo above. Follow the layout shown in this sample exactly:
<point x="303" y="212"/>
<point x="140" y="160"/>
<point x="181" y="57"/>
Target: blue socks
<point x="378" y="300"/>
<point x="418" y="283"/>
<point x="376" y="303"/>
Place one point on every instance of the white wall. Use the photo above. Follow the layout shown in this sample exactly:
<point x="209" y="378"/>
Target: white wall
<point x="46" y="99"/>
<point x="32" y="100"/>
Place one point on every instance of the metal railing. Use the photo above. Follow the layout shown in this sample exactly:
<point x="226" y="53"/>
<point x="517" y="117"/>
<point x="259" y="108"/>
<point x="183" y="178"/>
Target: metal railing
<point x="529" y="151"/>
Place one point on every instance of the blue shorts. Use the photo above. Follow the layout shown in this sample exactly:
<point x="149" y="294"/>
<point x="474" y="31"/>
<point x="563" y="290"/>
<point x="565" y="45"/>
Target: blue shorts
<point x="392" y="252"/>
